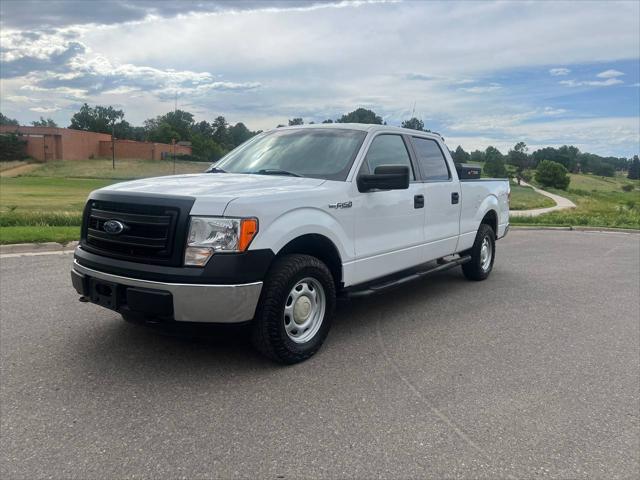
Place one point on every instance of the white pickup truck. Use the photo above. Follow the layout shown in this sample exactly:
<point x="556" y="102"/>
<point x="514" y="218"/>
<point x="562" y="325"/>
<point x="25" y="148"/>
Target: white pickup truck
<point x="282" y="225"/>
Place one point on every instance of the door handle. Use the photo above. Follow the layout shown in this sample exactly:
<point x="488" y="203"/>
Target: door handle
<point x="418" y="201"/>
<point x="455" y="197"/>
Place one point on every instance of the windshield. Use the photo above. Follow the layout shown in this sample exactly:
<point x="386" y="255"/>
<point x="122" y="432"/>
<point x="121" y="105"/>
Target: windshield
<point x="308" y="152"/>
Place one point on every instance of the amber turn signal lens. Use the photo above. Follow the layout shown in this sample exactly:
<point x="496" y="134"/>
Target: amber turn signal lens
<point x="248" y="230"/>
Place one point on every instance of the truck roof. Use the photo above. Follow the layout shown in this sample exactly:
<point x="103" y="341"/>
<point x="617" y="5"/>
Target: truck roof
<point x="366" y="127"/>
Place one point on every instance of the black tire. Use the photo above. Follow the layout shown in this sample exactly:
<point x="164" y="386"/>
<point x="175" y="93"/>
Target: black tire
<point x="268" y="330"/>
<point x="473" y="269"/>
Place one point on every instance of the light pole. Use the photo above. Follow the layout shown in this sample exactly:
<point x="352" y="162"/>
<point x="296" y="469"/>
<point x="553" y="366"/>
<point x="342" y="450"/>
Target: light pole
<point x="173" y="141"/>
<point x="113" y="144"/>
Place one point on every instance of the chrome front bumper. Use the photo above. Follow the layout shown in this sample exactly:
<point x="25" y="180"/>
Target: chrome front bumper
<point x="195" y="302"/>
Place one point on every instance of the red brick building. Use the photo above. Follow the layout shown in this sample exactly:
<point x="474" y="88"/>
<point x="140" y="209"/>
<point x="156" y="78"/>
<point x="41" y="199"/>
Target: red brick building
<point x="48" y="143"/>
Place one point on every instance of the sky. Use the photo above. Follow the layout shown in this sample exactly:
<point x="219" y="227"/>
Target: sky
<point x="480" y="73"/>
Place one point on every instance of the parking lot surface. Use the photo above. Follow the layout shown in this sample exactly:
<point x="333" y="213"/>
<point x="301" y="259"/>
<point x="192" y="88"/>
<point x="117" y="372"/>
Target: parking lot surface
<point x="532" y="373"/>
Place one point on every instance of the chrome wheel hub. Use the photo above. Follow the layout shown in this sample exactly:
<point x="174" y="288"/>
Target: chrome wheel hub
<point x="486" y="254"/>
<point x="304" y="310"/>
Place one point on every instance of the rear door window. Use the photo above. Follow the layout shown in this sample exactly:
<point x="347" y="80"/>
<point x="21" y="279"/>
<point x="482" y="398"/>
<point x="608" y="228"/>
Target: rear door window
<point x="432" y="163"/>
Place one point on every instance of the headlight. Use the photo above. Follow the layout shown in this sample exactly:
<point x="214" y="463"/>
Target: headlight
<point x="208" y="235"/>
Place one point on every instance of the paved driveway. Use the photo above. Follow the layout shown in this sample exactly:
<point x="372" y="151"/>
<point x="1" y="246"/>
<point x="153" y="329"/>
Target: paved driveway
<point x="533" y="373"/>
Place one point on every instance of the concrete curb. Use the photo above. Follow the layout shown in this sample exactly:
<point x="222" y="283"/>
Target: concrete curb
<point x="37" y="247"/>
<point x="574" y="229"/>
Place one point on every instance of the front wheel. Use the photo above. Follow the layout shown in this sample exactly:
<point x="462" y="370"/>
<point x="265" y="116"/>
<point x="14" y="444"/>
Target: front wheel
<point x="295" y="309"/>
<point x="482" y="254"/>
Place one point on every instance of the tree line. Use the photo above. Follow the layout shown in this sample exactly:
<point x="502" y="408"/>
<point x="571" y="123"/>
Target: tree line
<point x="211" y="140"/>
<point x="567" y="156"/>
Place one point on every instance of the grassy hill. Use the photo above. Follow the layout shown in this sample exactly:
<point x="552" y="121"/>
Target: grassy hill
<point x="46" y="203"/>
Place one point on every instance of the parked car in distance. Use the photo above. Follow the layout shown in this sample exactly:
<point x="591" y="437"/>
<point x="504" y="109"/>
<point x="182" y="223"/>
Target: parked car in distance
<point x="282" y="225"/>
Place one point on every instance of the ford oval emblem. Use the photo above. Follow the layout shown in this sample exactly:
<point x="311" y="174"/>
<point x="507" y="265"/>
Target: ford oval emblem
<point x="113" y="227"/>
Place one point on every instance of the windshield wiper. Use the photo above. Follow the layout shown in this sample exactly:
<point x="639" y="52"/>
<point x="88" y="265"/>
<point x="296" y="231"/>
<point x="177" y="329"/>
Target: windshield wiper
<point x="216" y="170"/>
<point x="276" y="171"/>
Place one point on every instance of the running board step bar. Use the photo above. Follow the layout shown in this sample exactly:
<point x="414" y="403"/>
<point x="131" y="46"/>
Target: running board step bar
<point x="384" y="286"/>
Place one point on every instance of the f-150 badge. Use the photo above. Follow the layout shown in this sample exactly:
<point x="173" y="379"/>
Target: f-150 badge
<point x="348" y="204"/>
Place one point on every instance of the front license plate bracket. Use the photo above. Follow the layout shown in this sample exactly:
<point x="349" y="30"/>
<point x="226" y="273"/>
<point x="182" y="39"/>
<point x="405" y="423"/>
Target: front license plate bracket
<point x="104" y="293"/>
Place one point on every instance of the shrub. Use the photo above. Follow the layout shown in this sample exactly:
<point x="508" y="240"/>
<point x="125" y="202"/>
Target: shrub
<point x="552" y="174"/>
<point x="527" y="175"/>
<point x="12" y="147"/>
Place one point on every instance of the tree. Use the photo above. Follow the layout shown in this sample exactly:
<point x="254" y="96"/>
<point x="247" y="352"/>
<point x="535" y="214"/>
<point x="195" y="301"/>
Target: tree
<point x="96" y="119"/>
<point x="203" y="128"/>
<point x="360" y="115"/>
<point x="328" y="120"/>
<point x="296" y="121"/>
<point x="160" y="131"/>
<point x="175" y="125"/>
<point x="552" y="174"/>
<point x="519" y="158"/>
<point x="634" y="169"/>
<point x="414" y="124"/>
<point x="44" y="123"/>
<point x="240" y="134"/>
<point x="477" y="156"/>
<point x="4" y="120"/>
<point x="602" y="169"/>
<point x="221" y="133"/>
<point x="204" y="148"/>
<point x="494" y="163"/>
<point x="566" y="155"/>
<point x="460" y="156"/>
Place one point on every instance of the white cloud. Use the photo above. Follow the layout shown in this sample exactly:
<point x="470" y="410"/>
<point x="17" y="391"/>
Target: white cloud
<point x="610" y="74"/>
<point x="44" y="109"/>
<point x="264" y="66"/>
<point x="18" y="99"/>
<point x="482" y="89"/>
<point x="550" y="111"/>
<point x="591" y="83"/>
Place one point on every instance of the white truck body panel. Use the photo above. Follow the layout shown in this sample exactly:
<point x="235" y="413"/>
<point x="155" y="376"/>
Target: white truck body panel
<point x="380" y="233"/>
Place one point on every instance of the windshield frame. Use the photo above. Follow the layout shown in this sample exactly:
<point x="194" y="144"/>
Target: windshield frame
<point x="340" y="176"/>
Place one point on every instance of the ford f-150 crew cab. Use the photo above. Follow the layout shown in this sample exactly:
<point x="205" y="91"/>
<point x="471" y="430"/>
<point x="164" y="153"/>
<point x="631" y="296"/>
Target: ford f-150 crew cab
<point x="283" y="224"/>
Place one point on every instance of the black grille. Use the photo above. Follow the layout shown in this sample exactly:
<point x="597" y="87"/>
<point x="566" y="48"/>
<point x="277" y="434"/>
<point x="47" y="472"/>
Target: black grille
<point x="148" y="235"/>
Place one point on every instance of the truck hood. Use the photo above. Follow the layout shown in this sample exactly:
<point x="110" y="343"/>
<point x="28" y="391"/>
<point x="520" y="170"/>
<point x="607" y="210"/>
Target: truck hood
<point x="213" y="191"/>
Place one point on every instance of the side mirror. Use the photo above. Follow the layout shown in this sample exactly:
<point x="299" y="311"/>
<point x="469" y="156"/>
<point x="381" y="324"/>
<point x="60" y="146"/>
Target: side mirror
<point x="385" y="177"/>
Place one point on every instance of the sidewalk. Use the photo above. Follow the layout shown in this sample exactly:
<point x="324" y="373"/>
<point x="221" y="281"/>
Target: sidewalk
<point x="562" y="203"/>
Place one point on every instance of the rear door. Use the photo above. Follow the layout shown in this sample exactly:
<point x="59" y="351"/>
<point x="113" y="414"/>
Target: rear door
<point x="442" y="199"/>
<point x="389" y="224"/>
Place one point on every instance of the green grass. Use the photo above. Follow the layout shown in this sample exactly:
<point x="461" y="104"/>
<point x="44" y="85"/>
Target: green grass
<point x="600" y="202"/>
<point x="125" y="169"/>
<point x="593" y="183"/>
<point x="526" y="198"/>
<point x="45" y="205"/>
<point x="41" y="194"/>
<point x="10" y="235"/>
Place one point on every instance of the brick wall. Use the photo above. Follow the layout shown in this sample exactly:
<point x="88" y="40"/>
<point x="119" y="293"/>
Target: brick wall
<point x="48" y="143"/>
<point x="143" y="150"/>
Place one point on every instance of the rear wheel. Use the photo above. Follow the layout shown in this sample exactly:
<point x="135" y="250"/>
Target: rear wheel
<point x="482" y="254"/>
<point x="294" y="314"/>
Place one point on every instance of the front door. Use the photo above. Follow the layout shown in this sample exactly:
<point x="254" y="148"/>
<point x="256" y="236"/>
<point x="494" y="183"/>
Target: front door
<point x="389" y="224"/>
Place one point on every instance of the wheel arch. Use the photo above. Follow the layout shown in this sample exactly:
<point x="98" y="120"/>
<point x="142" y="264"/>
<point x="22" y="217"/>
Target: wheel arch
<point x="318" y="246"/>
<point x="491" y="218"/>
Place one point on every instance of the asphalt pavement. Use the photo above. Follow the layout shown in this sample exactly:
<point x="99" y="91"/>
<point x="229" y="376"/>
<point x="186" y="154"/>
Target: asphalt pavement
<point x="532" y="373"/>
